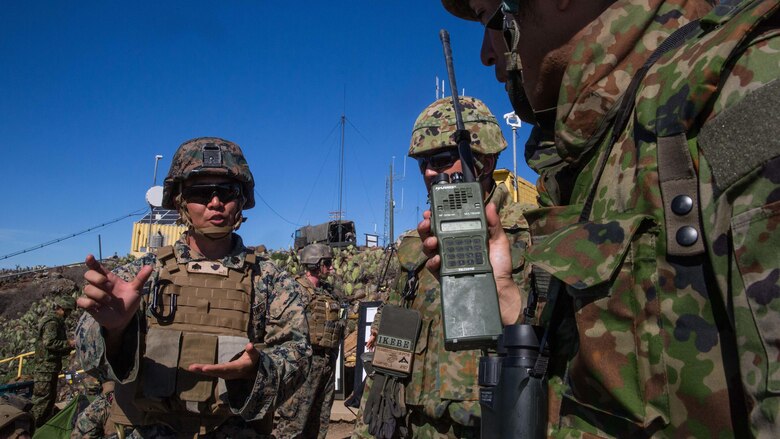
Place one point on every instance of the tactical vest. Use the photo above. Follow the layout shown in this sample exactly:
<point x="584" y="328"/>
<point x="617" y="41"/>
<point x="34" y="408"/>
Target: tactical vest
<point x="325" y="326"/>
<point x="202" y="317"/>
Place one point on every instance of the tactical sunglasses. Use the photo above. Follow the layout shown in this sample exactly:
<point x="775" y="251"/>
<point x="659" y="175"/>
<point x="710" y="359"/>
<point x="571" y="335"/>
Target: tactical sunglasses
<point x="204" y="193"/>
<point x="438" y="161"/>
<point x="326" y="262"/>
<point x="496" y="20"/>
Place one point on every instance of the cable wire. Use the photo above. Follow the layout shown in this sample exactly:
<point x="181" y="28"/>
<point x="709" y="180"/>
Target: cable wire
<point x="272" y="210"/>
<point x="55" y="241"/>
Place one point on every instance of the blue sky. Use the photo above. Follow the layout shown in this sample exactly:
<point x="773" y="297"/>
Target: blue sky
<point x="92" y="91"/>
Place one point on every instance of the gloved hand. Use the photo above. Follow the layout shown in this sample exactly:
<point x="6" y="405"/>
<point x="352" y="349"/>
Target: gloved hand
<point x="385" y="407"/>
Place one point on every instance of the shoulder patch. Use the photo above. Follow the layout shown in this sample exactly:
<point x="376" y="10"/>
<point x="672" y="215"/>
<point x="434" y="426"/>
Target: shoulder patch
<point x="743" y="137"/>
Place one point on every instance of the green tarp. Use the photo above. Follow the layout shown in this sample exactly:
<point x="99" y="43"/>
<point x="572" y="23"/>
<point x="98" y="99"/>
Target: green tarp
<point x="62" y="423"/>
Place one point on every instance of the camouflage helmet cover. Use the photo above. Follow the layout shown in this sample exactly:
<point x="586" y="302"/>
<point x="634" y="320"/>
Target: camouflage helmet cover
<point x="208" y="156"/>
<point x="65" y="302"/>
<point x="460" y="9"/>
<point x="312" y="254"/>
<point x="435" y="128"/>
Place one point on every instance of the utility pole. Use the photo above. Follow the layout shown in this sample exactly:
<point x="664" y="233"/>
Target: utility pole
<point x="341" y="166"/>
<point x="392" y="207"/>
<point x="151" y="208"/>
<point x="514" y="121"/>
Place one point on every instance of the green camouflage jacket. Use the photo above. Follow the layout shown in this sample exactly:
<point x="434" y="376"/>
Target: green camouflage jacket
<point x="52" y="345"/>
<point x="446" y="382"/>
<point x="277" y="320"/>
<point x="671" y="284"/>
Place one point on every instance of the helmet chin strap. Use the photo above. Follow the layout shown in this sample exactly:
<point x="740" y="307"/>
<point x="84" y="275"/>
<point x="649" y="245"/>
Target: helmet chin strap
<point x="544" y="119"/>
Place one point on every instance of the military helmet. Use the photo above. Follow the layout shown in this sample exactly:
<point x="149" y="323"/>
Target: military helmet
<point x="435" y="128"/>
<point x="312" y="254"/>
<point x="460" y="9"/>
<point x="67" y="303"/>
<point x="208" y="156"/>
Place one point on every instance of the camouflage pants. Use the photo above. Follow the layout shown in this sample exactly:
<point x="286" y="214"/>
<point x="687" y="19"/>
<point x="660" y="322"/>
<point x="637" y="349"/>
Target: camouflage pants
<point x="44" y="394"/>
<point x="307" y="413"/>
<point x="91" y="422"/>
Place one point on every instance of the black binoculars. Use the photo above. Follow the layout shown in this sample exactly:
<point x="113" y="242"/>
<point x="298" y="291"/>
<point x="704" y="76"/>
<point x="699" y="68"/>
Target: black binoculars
<point x="513" y="400"/>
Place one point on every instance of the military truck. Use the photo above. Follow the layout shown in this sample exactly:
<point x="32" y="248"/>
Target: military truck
<point x="333" y="233"/>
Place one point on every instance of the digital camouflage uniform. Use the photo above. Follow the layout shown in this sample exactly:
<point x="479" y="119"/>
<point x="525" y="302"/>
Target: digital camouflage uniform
<point x="671" y="280"/>
<point x="277" y="327"/>
<point x="51" y="348"/>
<point x="91" y="422"/>
<point x="307" y="413"/>
<point x="442" y="396"/>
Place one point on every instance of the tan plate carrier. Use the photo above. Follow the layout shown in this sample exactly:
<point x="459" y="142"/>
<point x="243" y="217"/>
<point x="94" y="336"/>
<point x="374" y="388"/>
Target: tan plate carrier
<point x="209" y="326"/>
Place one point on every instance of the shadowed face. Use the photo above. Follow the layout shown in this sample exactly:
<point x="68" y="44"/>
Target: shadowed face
<point x="547" y="35"/>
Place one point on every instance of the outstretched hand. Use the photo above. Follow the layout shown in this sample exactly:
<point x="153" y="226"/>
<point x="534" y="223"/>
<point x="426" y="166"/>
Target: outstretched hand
<point x="242" y="368"/>
<point x="109" y="299"/>
<point x="500" y="256"/>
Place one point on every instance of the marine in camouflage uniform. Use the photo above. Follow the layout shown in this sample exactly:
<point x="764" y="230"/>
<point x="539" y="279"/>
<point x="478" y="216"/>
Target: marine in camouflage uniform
<point x="661" y="238"/>
<point x="307" y="413"/>
<point x="52" y="346"/>
<point x="442" y="395"/>
<point x="92" y="422"/>
<point x="157" y="353"/>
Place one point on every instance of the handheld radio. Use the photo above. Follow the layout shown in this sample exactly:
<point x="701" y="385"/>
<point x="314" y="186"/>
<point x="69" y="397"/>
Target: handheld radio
<point x="470" y="310"/>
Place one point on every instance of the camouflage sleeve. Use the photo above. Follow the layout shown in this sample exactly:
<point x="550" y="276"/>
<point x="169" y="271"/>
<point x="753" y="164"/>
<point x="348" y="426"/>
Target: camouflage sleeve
<point x="519" y="236"/>
<point x="284" y="362"/>
<point x="741" y="206"/>
<point x="90" y="344"/>
<point x="50" y="339"/>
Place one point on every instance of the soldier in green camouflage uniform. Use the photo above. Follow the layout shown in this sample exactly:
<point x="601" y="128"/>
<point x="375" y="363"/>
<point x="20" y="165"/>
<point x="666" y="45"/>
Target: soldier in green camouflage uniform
<point x="92" y="422"/>
<point x="158" y="325"/>
<point x="52" y="346"/>
<point x="307" y="413"/>
<point x="442" y="394"/>
<point x="660" y="231"/>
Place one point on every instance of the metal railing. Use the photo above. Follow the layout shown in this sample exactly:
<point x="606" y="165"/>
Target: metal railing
<point x="19" y="357"/>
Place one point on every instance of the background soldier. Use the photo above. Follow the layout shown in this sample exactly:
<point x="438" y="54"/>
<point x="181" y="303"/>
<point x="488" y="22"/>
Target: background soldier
<point x="442" y="394"/>
<point x="203" y="299"/>
<point x="307" y="413"/>
<point x="662" y="195"/>
<point x="92" y="422"/>
<point x="53" y="345"/>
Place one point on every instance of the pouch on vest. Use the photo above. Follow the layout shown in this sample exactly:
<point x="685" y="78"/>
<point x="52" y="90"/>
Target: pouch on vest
<point x="190" y="386"/>
<point x="396" y="340"/>
<point x="160" y="362"/>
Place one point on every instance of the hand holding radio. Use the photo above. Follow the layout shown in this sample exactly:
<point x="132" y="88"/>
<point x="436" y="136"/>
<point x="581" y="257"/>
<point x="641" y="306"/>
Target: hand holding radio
<point x="499" y="254"/>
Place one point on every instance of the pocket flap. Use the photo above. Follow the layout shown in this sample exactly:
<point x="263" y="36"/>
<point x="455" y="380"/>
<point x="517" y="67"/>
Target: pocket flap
<point x="583" y="255"/>
<point x="159" y="363"/>
<point x="196" y="348"/>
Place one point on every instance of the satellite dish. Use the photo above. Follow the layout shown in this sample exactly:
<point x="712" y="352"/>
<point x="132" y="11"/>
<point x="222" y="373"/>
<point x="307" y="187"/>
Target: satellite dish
<point x="154" y="196"/>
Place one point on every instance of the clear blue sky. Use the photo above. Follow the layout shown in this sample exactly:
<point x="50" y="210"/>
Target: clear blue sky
<point x="92" y="90"/>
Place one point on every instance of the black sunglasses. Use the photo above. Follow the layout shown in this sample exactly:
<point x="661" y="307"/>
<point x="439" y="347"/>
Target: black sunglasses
<point x="438" y="161"/>
<point x="204" y="193"/>
<point x="327" y="262"/>
<point x="496" y="20"/>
